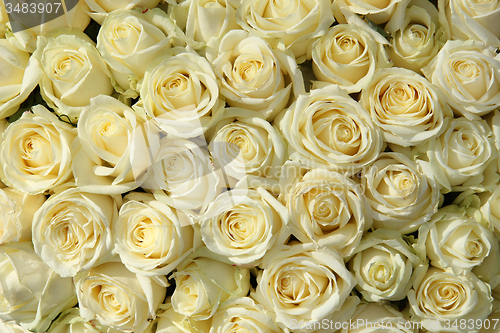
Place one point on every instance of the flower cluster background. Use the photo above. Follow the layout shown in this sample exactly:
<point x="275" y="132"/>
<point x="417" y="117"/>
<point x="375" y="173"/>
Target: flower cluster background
<point x="233" y="166"/>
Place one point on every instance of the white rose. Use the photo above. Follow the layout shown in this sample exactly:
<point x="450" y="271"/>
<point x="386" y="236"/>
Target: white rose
<point x="118" y="298"/>
<point x="468" y="73"/>
<point x="244" y="314"/>
<point x="327" y="128"/>
<point x="374" y="318"/>
<point x="35" y="153"/>
<point x="16" y="211"/>
<point x="390" y="12"/>
<point x="70" y="321"/>
<point x="72" y="230"/>
<point x="182" y="175"/>
<point x="349" y="55"/>
<point x="454" y="239"/>
<point x="99" y="9"/>
<point x="19" y="76"/>
<point x="25" y="27"/>
<point x="152" y="238"/>
<point x="419" y="38"/>
<point x="246" y="144"/>
<point x="472" y="20"/>
<point x="461" y="155"/>
<point x="441" y="296"/>
<point x="385" y="266"/>
<point x="109" y="148"/>
<point x="129" y="40"/>
<point x="327" y="208"/>
<point x="170" y="321"/>
<point x="31" y="293"/>
<point x="255" y="75"/>
<point x="74" y="71"/>
<point x="407" y="107"/>
<point x="300" y="285"/>
<point x="180" y="91"/>
<point x="246" y="231"/>
<point x="400" y="192"/>
<point x="202" y="284"/>
<point x="297" y="22"/>
<point x="204" y="20"/>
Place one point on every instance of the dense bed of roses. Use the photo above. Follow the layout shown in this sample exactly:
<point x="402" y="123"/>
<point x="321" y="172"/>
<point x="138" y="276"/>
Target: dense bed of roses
<point x="224" y="166"/>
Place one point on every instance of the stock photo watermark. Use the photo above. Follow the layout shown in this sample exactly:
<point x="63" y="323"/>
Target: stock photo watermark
<point x="183" y="168"/>
<point x="428" y="324"/>
<point x="26" y="14"/>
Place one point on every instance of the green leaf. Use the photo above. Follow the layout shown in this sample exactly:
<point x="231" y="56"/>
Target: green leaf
<point x="377" y="28"/>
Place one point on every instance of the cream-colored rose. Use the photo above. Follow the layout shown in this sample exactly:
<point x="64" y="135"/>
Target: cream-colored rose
<point x="402" y="193"/>
<point x="440" y="297"/>
<point x="407" y="107"/>
<point x="99" y="9"/>
<point x="327" y="128"/>
<point x="152" y="238"/>
<point x="118" y="298"/>
<point x="74" y="71"/>
<point x="374" y="318"/>
<point x="255" y="75"/>
<point x="129" y="40"/>
<point x="182" y="175"/>
<point x="326" y="208"/>
<point x="461" y="155"/>
<point x="180" y="91"/>
<point x="349" y="55"/>
<point x="468" y="73"/>
<point x="456" y="240"/>
<point x="110" y="143"/>
<point x="300" y="284"/>
<point x="31" y="293"/>
<point x="70" y="321"/>
<point x="19" y="76"/>
<point x="245" y="231"/>
<point x="170" y="321"/>
<point x="389" y="13"/>
<point x="202" y="284"/>
<point x="35" y="153"/>
<point x="385" y="266"/>
<point x="204" y="20"/>
<point x="419" y="38"/>
<point x="25" y="27"/>
<point x="245" y="315"/>
<point x="72" y="230"/>
<point x="470" y="19"/>
<point x="244" y="143"/>
<point x="16" y="211"/>
<point x="297" y="22"/>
